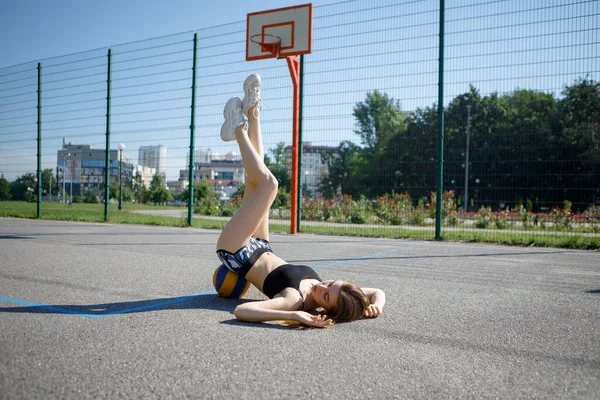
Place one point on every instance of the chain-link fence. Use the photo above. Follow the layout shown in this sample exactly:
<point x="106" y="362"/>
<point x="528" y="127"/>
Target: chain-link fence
<point x="521" y="98"/>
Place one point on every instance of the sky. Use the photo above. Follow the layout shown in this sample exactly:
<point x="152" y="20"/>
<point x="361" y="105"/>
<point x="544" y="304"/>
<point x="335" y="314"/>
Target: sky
<point x="32" y="30"/>
<point x="359" y="46"/>
<point x="48" y="30"/>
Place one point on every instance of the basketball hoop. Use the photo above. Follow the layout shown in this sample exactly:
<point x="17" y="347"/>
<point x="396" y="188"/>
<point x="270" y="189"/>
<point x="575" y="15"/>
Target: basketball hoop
<point x="268" y="43"/>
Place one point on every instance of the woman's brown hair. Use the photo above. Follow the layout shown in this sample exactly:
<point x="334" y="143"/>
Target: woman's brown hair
<point x="352" y="303"/>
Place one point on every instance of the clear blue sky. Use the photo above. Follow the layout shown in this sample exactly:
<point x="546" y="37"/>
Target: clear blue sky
<point x="32" y="30"/>
<point x="358" y="46"/>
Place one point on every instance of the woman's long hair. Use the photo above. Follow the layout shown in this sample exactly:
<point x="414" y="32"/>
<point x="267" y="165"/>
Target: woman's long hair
<point x="352" y="303"/>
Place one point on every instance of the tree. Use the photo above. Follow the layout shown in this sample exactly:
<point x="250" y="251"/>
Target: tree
<point x="127" y="193"/>
<point x="158" y="193"/>
<point x="408" y="162"/>
<point x="580" y="121"/>
<point x="48" y="181"/>
<point x="343" y="167"/>
<point x="23" y="188"/>
<point x="279" y="167"/>
<point x="4" y="188"/>
<point x="378" y="118"/>
<point x="139" y="189"/>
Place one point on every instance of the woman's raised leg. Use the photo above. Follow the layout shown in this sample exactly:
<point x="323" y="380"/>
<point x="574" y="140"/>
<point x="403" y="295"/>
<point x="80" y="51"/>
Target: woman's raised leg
<point x="254" y="132"/>
<point x="251" y="108"/>
<point x="261" y="185"/>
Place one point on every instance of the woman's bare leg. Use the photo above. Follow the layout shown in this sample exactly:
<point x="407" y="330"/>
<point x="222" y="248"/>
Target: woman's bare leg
<point x="254" y="132"/>
<point x="261" y="189"/>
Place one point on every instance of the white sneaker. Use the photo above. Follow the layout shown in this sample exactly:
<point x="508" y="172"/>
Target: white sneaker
<point x="252" y="86"/>
<point x="233" y="118"/>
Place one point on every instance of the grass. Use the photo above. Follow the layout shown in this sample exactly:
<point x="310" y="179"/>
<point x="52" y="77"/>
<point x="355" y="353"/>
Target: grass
<point x="95" y="213"/>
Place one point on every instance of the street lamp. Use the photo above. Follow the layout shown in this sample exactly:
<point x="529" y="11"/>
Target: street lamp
<point x="121" y="148"/>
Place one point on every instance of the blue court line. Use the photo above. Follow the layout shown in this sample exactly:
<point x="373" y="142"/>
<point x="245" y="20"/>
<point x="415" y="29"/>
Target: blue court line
<point x="179" y="299"/>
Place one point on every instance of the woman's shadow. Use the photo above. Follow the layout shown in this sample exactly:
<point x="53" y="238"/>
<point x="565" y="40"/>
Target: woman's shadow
<point x="202" y="300"/>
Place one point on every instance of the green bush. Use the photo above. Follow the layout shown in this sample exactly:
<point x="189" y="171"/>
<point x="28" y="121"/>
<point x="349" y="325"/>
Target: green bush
<point x="448" y="204"/>
<point x="90" y="197"/>
<point x="416" y="217"/>
<point x="501" y="219"/>
<point x="562" y="217"/>
<point x="525" y="216"/>
<point x="592" y="217"/>
<point x="484" y="218"/>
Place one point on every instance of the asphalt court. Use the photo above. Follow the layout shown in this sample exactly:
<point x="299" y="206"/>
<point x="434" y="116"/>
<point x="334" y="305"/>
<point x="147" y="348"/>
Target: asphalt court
<point x="104" y="311"/>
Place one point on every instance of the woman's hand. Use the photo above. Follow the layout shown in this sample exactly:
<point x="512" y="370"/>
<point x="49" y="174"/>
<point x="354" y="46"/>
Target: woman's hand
<point x="372" y="311"/>
<point x="317" y="321"/>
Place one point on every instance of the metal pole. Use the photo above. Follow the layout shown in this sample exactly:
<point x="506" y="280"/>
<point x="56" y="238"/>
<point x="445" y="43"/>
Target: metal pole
<point x="39" y="142"/>
<point x="440" y="141"/>
<point x="107" y="153"/>
<point x="294" y="67"/>
<point x="467" y="159"/>
<point x="301" y="145"/>
<point x="64" y="192"/>
<point x="70" y="183"/>
<point x="120" y="181"/>
<point x="192" y="128"/>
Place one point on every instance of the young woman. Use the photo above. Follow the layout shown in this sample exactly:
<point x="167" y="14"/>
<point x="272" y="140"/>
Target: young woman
<point x="294" y="291"/>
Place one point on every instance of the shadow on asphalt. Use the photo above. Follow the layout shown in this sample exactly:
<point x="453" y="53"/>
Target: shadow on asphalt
<point x="192" y="302"/>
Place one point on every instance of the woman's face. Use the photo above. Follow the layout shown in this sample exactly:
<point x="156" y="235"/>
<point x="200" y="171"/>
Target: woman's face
<point x="326" y="293"/>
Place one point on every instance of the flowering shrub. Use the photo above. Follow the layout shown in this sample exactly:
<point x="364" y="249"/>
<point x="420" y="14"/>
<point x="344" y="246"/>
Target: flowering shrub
<point x="315" y="209"/>
<point x="416" y="217"/>
<point x="592" y="217"/>
<point x="562" y="217"/>
<point x="526" y="217"/>
<point x="501" y="219"/>
<point x="484" y="218"/>
<point x="448" y="205"/>
<point x="392" y="208"/>
<point x="360" y="211"/>
<point x="398" y="209"/>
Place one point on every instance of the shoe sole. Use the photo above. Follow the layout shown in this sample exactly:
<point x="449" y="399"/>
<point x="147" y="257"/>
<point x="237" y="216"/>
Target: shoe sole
<point x="225" y="134"/>
<point x="249" y="82"/>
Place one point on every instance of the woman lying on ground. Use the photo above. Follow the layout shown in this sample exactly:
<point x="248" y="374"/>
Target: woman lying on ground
<point x="294" y="291"/>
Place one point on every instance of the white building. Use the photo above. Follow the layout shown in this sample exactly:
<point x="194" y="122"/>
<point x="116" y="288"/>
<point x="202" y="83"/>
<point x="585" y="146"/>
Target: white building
<point x="314" y="170"/>
<point x="154" y="157"/>
<point x="146" y="173"/>
<point x="206" y="156"/>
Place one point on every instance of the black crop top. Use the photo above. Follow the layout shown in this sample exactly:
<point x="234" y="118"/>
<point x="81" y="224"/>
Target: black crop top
<point x="285" y="276"/>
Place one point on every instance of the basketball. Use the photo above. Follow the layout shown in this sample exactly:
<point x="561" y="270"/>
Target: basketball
<point x="229" y="284"/>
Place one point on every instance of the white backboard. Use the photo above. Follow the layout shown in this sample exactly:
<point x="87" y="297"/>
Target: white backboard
<point x="292" y="24"/>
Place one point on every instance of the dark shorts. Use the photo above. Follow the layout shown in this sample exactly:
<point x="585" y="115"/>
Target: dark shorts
<point x="244" y="258"/>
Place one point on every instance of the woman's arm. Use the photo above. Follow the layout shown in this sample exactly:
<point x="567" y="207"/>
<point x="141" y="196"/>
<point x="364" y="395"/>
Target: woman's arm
<point x="279" y="308"/>
<point x="377" y="297"/>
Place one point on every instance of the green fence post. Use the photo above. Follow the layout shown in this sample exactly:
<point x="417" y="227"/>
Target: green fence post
<point x="300" y="144"/>
<point x="440" y="140"/>
<point x="107" y="158"/>
<point x="39" y="142"/>
<point x="192" y="128"/>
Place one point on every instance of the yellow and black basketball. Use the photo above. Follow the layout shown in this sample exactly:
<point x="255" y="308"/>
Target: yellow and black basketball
<point x="229" y="284"/>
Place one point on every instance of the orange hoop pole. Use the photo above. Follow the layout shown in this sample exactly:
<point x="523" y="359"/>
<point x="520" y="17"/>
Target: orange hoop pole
<point x="294" y="67"/>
